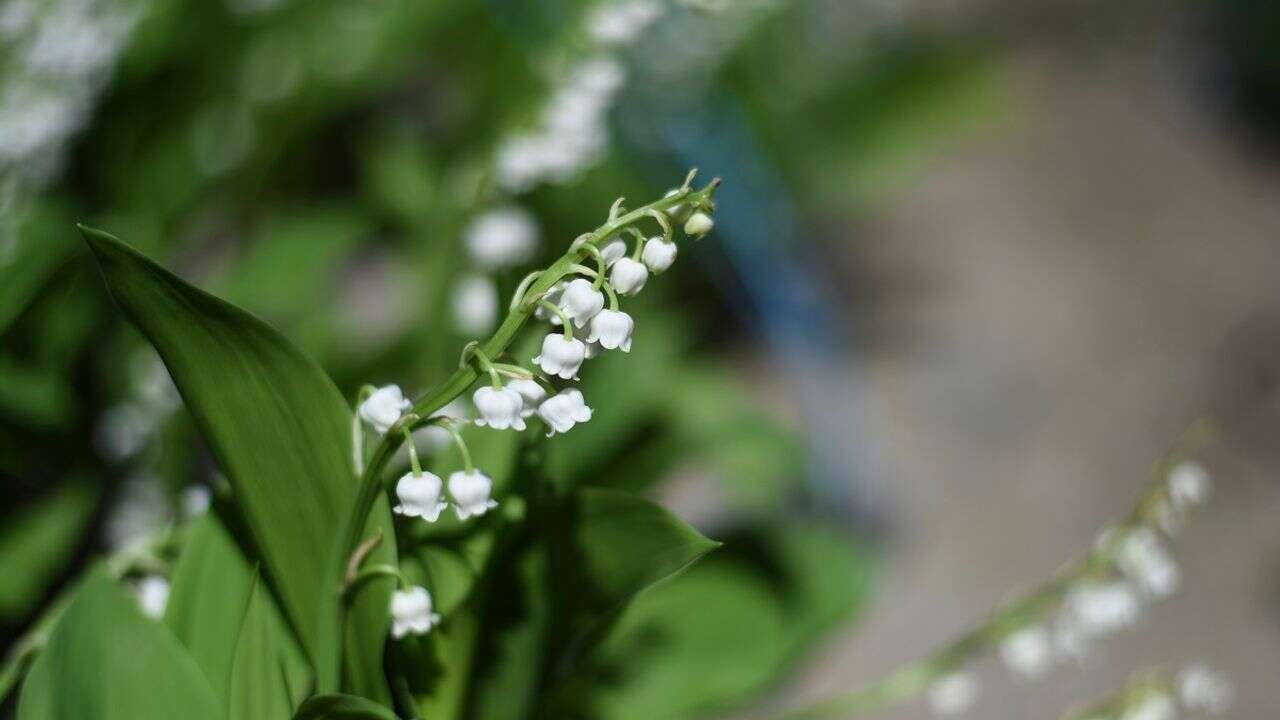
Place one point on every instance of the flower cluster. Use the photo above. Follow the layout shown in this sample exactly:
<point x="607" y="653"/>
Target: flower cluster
<point x="581" y="304"/>
<point x="1129" y="568"/>
<point x="1152" y="695"/>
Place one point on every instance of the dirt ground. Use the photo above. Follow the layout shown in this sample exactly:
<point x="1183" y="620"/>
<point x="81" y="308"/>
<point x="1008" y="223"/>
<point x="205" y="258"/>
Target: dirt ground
<point x="1101" y="267"/>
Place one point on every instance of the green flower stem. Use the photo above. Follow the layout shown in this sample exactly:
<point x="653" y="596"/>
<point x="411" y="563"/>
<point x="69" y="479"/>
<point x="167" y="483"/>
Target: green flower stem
<point x="613" y="296"/>
<point x="370" y="481"/>
<point x="370" y="573"/>
<point x="599" y="256"/>
<point x="462" y="446"/>
<point x="513" y="371"/>
<point x="413" y="452"/>
<point x="914" y="678"/>
<point x="518" y="296"/>
<point x="564" y="319"/>
<point x="662" y="220"/>
<point x="357" y="430"/>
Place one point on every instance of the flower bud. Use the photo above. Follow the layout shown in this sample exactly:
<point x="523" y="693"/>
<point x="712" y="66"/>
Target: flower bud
<point x="411" y="612"/>
<point x="628" y="276"/>
<point x="384" y="407"/>
<point x="581" y="301"/>
<point x="659" y="254"/>
<point x="561" y="357"/>
<point x="470" y="491"/>
<point x="564" y="410"/>
<point x="612" y="329"/>
<point x="499" y="408"/>
<point x="419" y="496"/>
<point x="698" y="224"/>
<point x="678" y="212"/>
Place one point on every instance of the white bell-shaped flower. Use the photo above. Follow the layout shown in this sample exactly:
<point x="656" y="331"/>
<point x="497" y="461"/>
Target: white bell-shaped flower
<point x="953" y="694"/>
<point x="471" y="491"/>
<point x="419" y="496"/>
<point x="581" y="301"/>
<point x="501" y="237"/>
<point x="628" y="276"/>
<point x="384" y="407"/>
<point x="552" y="296"/>
<point x="411" y="612"/>
<point x="499" y="408"/>
<point x="561" y="357"/>
<point x="153" y="596"/>
<point x="530" y="392"/>
<point x="659" y="254"/>
<point x="564" y="410"/>
<point x="613" y="250"/>
<point x="1189" y="485"/>
<point x="698" y="224"/>
<point x="612" y="330"/>
<point x="1204" y="690"/>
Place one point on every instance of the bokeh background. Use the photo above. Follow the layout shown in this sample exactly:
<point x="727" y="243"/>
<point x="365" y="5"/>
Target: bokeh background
<point x="976" y="265"/>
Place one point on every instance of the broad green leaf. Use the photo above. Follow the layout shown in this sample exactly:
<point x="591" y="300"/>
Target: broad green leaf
<point x="607" y="547"/>
<point x="342" y="707"/>
<point x="35" y="544"/>
<point x="212" y="585"/>
<point x="105" y="661"/>
<point x="279" y="430"/>
<point x="722" y="633"/>
<point x="438" y="665"/>
<point x="258" y="687"/>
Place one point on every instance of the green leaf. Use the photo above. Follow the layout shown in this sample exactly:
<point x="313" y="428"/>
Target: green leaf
<point x="36" y="544"/>
<point x="773" y="593"/>
<point x="342" y="707"/>
<point x="608" y="547"/>
<point x="104" y="660"/>
<point x="279" y="430"/>
<point x="509" y="663"/>
<point x="210" y="588"/>
<point x="258" y="687"/>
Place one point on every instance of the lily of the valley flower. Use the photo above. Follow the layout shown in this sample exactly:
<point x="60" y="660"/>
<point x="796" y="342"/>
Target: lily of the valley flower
<point x="613" y="250"/>
<point x="530" y="392"/>
<point x="384" y="407"/>
<point x="698" y="224"/>
<point x="581" y="301"/>
<point x="628" y="276"/>
<point x="1027" y="652"/>
<point x="552" y="296"/>
<point x="471" y="491"/>
<point x="612" y="329"/>
<point x="499" y="408"/>
<point x="564" y="410"/>
<point x="419" y="496"/>
<point x="411" y="612"/>
<point x="153" y="596"/>
<point x="561" y="357"/>
<point x="1189" y="485"/>
<point x="475" y="304"/>
<point x="953" y="694"/>
<point x="1202" y="689"/>
<point x="659" y="254"/>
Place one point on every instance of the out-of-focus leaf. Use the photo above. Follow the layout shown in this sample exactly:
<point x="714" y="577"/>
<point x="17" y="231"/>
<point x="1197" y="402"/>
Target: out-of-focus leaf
<point x="34" y="395"/>
<point x="212" y="585"/>
<point x="509" y="663"/>
<point x="258" y="687"/>
<point x="607" y="547"/>
<point x="342" y="707"/>
<point x="35" y="544"/>
<point x="105" y="661"/>
<point x="451" y="568"/>
<point x="439" y="663"/>
<point x="279" y="430"/>
<point x="38" y="249"/>
<point x="724" y="631"/>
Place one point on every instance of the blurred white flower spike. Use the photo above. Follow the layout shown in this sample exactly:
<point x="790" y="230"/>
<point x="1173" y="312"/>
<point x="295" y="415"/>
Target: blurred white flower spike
<point x="1027" y="652"/>
<point x="153" y="596"/>
<point x="475" y="304"/>
<point x="502" y="237"/>
<point x="384" y="407"/>
<point x="411" y="612"/>
<point x="1189" y="485"/>
<point x="1203" y="690"/>
<point x="953" y="694"/>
